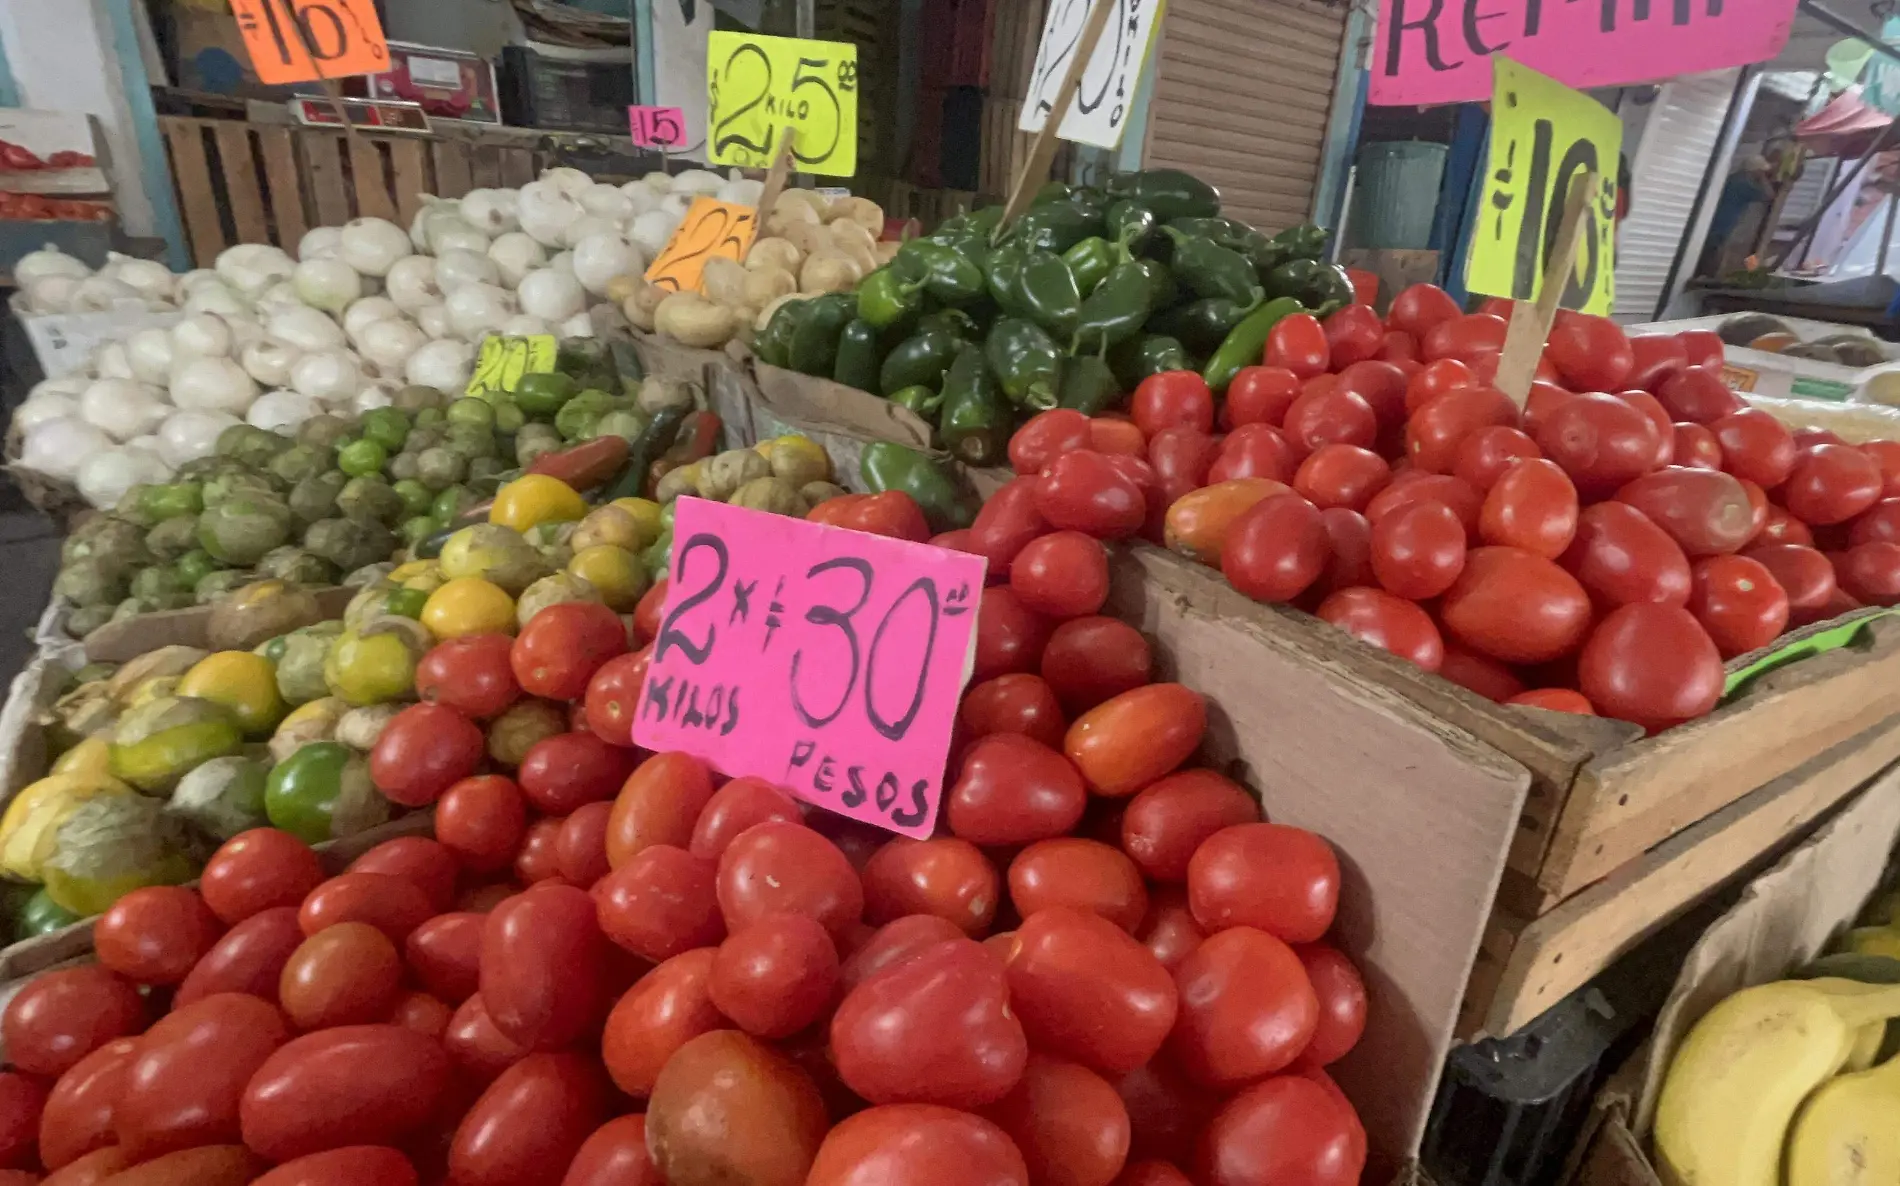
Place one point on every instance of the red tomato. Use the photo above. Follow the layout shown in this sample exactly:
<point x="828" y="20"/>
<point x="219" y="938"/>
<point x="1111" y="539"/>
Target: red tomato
<point x="1084" y="874"/>
<point x="76" y="1118"/>
<point x="1009" y="635"/>
<point x="662" y="1011"/>
<point x="1832" y="484"/>
<point x="1259" y="395"/>
<point x="1705" y="512"/>
<point x="22" y="1100"/>
<point x="1698" y="395"/>
<point x="256" y="871"/>
<point x="1755" y="446"/>
<point x="1651" y="407"/>
<point x="1278" y="879"/>
<point x="1085" y="491"/>
<point x="1253" y="450"/>
<point x="1287" y="1129"/>
<point x="155" y="935"/>
<point x="211" y="1165"/>
<point x="481" y="821"/>
<point x="1180" y="456"/>
<point x="783" y="867"/>
<point x="1655" y="358"/>
<point x="646" y="615"/>
<point x="944" y="876"/>
<point x="1088" y="991"/>
<point x="1247" y="1008"/>
<point x="613" y="696"/>
<point x="1172" y="399"/>
<point x="537" y="861"/>
<point x="1152" y="1173"/>
<point x="1886" y="455"/>
<point x="1327" y="416"/>
<point x="1410" y="486"/>
<point x="616" y="1155"/>
<point x="1418" y="550"/>
<point x="1276" y="548"/>
<point x="1341" y="476"/>
<point x="1878" y="523"/>
<point x="1803" y="574"/>
<point x="658" y="804"/>
<point x="776" y="976"/>
<point x="393" y="905"/>
<point x="1298" y="343"/>
<point x="1353" y="334"/>
<point x="1544" y="400"/>
<point x="1620" y="556"/>
<point x="569" y="770"/>
<point x="1870" y="573"/>
<point x="470" y="674"/>
<point x="543" y="958"/>
<point x="1467" y="337"/>
<point x="1779" y="527"/>
<point x="1014" y="790"/>
<point x="64" y="1015"/>
<point x="1516" y="606"/>
<point x="1167" y="821"/>
<point x="526" y="1128"/>
<point x="917" y="1143"/>
<point x="1476" y="673"/>
<point x="444" y="955"/>
<point x="425" y="862"/>
<point x="1435" y="379"/>
<point x="476" y="1046"/>
<point x="895" y="942"/>
<point x="1695" y="447"/>
<point x="356" y="1165"/>
<point x="562" y="647"/>
<point x="1062" y="575"/>
<point x="423" y="751"/>
<point x="1418" y="308"/>
<point x="1601" y="441"/>
<point x="1342" y="1003"/>
<point x="1379" y="619"/>
<point x="348" y="974"/>
<point x="1169" y="931"/>
<point x="1651" y="664"/>
<point x="249" y="959"/>
<point x="1008" y="520"/>
<point x="1067" y="1121"/>
<point x="1702" y="347"/>
<point x="1089" y="660"/>
<point x="1435" y="432"/>
<point x="1046" y="436"/>
<point x="1382" y="385"/>
<point x="1555" y="700"/>
<point x="1117" y="436"/>
<point x="183" y="1086"/>
<point x="1123" y="744"/>
<point x="1590" y="352"/>
<point x="1533" y="506"/>
<point x="580" y="849"/>
<point x="1349" y="542"/>
<point x="1014" y="703"/>
<point x="1739" y="602"/>
<point x="1485" y="454"/>
<point x="935" y="1028"/>
<point x="735" y="807"/>
<point x="1167" y="1111"/>
<point x="727" y="1109"/>
<point x="358" y="1084"/>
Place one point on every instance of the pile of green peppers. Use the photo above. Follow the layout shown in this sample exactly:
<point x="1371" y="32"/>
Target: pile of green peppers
<point x="1087" y="294"/>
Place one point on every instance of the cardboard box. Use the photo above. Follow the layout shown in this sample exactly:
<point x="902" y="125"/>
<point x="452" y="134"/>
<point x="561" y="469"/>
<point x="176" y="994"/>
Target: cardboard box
<point x="1762" y="372"/>
<point x="64" y="342"/>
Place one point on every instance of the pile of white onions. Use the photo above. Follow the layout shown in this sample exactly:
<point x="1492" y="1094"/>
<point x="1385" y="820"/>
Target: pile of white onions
<point x="362" y="309"/>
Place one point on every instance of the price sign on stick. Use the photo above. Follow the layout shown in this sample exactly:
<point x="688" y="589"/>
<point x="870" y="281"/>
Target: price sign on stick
<point x="302" y="40"/>
<point x="711" y="229"/>
<point x="503" y="361"/>
<point x="757" y="87"/>
<point x="824" y="660"/>
<point x="657" y="127"/>
<point x="1543" y="134"/>
<point x="1101" y="107"/>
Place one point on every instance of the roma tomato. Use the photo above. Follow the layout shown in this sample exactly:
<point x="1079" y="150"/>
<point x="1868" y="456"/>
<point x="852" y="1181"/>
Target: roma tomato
<point x="1591" y="353"/>
<point x="917" y="1143"/>
<point x="1418" y="550"/>
<point x="1084" y="874"/>
<point x="776" y="976"/>
<point x="538" y="861"/>
<point x="355" y="1165"/>
<point x="1878" y="523"/>
<point x="1803" y="574"/>
<point x="613" y="696"/>
<point x="1007" y="521"/>
<point x="210" y="1165"/>
<point x="1832" y="484"/>
<point x="783" y="867"/>
<point x="1476" y="673"/>
<point x="1009" y="635"/>
<point x="1123" y="744"/>
<point x="393" y="905"/>
<point x="1516" y="606"/>
<point x="1088" y="991"/>
<point x="1705" y="512"/>
<point x="353" y="1085"/>
<point x="1252" y="451"/>
<point x="895" y="942"/>
<point x="944" y="875"/>
<point x="470" y="674"/>
<point x="1298" y="344"/>
<point x="526" y="1128"/>
<point x="481" y="821"/>
<point x="445" y="955"/>
<point x="1698" y="395"/>
<point x="1046" y="436"/>
<point x="1061" y="575"/>
<point x="728" y="1109"/>
<point x="1117" y="436"/>
<point x="256" y="871"/>
<point x="1533" y="506"/>
<point x="64" y="1015"/>
<point x="1702" y="347"/>
<point x="1259" y="395"/>
<point x="661" y="1012"/>
<point x="1066" y="1120"/>
<point x="658" y="804"/>
<point x="543" y="966"/>
<point x="1172" y="399"/>
<point x="1655" y="357"/>
<point x="250" y="958"/>
<point x="1276" y="548"/>
<point x="1198" y="524"/>
<point x="1468" y="337"/>
<point x="1353" y="334"/>
<point x="1487" y="453"/>
<point x="1416" y="309"/>
<point x="1089" y="660"/>
<point x="155" y="935"/>
<point x="1342" y="1003"/>
<point x="1779" y="527"/>
<point x="1014" y="703"/>
<point x="1170" y="931"/>
<point x="426" y="863"/>
<point x="1014" y="790"/>
<point x="616" y="1155"/>
<point x="1410" y="486"/>
<point x="1600" y="441"/>
<point x="422" y="752"/>
<point x="735" y="807"/>
<point x="1434" y="433"/>
<point x="77" y="1115"/>
<point x="1379" y="619"/>
<point x="184" y="1085"/>
<point x="1651" y="407"/>
<point x="570" y="770"/>
<point x="348" y="974"/>
<point x="1739" y="602"/>
<point x="1349" y="542"/>
<point x="1329" y="416"/>
<point x="1247" y="1008"/>
<point x="1755" y="446"/>
<point x="580" y="850"/>
<point x="1152" y="1173"/>
<point x="562" y="647"/>
<point x="1341" y="476"/>
<point x="1695" y="446"/>
<point x="1180" y="456"/>
<point x="1555" y="700"/>
<point x="21" y="1102"/>
<point x="1620" y="556"/>
<point x="1382" y="386"/>
<point x="1870" y="573"/>
<point x="1435" y="379"/>
<point x="1274" y="878"/>
<point x="936" y="1028"/>
<point x="1167" y="821"/>
<point x="1086" y="491"/>
<point x="476" y="1046"/>
<point x="1284" y="1130"/>
<point x="1651" y="664"/>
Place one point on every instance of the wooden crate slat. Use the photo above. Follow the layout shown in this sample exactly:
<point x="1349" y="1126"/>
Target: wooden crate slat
<point x="485" y="166"/>
<point x="452" y="177"/>
<point x="370" y="181"/>
<point x="409" y="166"/>
<point x="517" y="167"/>
<point x="280" y="184"/>
<point x="192" y="170"/>
<point x="239" y="163"/>
<point x="324" y="180"/>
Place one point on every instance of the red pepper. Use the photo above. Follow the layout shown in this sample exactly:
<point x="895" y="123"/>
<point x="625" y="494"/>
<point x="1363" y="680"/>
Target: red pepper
<point x="586" y="465"/>
<point x="893" y="513"/>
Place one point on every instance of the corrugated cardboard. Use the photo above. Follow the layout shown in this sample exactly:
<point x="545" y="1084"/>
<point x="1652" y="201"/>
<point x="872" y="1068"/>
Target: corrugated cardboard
<point x="120" y="642"/>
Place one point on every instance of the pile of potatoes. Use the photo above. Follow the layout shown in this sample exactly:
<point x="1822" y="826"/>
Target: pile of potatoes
<point x="809" y="244"/>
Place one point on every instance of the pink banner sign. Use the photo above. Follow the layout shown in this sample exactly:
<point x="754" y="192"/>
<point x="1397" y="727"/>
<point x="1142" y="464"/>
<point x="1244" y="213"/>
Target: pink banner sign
<point x="1438" y="51"/>
<point x="825" y="660"/>
<point x="657" y="127"/>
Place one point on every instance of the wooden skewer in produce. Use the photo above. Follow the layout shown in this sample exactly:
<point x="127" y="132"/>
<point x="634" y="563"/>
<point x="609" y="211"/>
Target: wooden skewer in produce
<point x="1043" y="153"/>
<point x="1531" y="320"/>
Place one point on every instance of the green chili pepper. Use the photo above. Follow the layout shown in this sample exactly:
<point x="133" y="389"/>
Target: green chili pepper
<point x="1244" y="343"/>
<point x="814" y="344"/>
<point x="1170" y="193"/>
<point x="1202" y="326"/>
<point x="1291" y="277"/>
<point x="945" y="272"/>
<point x="1047" y="293"/>
<point x="1092" y="202"/>
<point x="1211" y="270"/>
<point x="774" y="343"/>
<point x="887" y="466"/>
<point x="1144" y="355"/>
<point x="1130" y="224"/>
<point x="1163" y="292"/>
<point x="1089" y="385"/>
<point x="1302" y="242"/>
<point x="954" y="322"/>
<point x="919" y="360"/>
<point x="1027" y="362"/>
<point x="1330" y="285"/>
<point x="885" y="298"/>
<point x="858" y="356"/>
<point x="919" y="399"/>
<point x="975" y="422"/>
<point x="1056" y="227"/>
<point x="1000" y="272"/>
<point x="1114" y="312"/>
<point x="1089" y="261"/>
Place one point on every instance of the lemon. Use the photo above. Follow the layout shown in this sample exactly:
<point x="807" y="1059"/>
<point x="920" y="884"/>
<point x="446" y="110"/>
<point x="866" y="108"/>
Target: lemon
<point x="412" y="570"/>
<point x="534" y="499"/>
<point x="615" y="574"/>
<point x="469" y="605"/>
<point x="243" y="682"/>
<point x="646" y="513"/>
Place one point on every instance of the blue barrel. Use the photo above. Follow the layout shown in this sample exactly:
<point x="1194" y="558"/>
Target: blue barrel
<point x="1395" y="194"/>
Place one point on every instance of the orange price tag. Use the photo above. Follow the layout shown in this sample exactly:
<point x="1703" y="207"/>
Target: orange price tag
<point x="303" y="40"/>
<point x="711" y="230"/>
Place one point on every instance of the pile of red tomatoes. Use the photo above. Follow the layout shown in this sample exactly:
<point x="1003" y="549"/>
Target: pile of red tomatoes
<point x="1602" y="549"/>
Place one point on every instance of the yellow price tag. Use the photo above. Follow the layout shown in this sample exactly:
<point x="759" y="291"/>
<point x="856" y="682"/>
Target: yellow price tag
<point x="711" y="230"/>
<point x="1542" y="135"/>
<point x="503" y="361"/>
<point x="756" y="87"/>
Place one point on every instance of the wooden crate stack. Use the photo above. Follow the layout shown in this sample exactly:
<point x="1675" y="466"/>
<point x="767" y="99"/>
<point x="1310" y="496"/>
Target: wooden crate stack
<point x="1018" y="29"/>
<point x="871" y="25"/>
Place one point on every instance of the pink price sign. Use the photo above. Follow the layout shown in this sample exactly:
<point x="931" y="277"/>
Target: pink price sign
<point x="824" y="660"/>
<point x="657" y="127"/>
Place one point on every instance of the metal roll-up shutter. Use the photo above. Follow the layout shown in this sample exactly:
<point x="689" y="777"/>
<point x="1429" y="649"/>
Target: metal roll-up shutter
<point x="1243" y="93"/>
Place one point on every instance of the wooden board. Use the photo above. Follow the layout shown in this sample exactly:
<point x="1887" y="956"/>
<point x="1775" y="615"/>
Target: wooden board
<point x="370" y="180"/>
<point x="240" y="181"/>
<point x="409" y="166"/>
<point x="280" y="181"/>
<point x="323" y="177"/>
<point x="517" y="167"/>
<point x="451" y="168"/>
<point x="485" y="166"/>
<point x="199" y="204"/>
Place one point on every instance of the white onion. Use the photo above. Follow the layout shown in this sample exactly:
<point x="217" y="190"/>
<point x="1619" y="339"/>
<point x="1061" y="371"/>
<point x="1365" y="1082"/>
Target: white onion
<point x="149" y="278"/>
<point x="571" y="182"/>
<point x="212" y="385"/>
<point x="600" y="258"/>
<point x="476" y="309"/>
<point x="390" y="342"/>
<point x="47" y="261"/>
<point x="564" y="262"/>
<point x="551" y="294"/>
<point x="363" y="313"/>
<point x="445" y="365"/>
<point x="652" y="229"/>
<point x="434" y="321"/>
<point x="515" y="255"/>
<point x="97" y="294"/>
<point x="697" y="181"/>
<point x="578" y="326"/>
<point x="491" y="211"/>
<point x="306" y="329"/>
<point x="245" y="331"/>
<point x="189" y="282"/>
<point x="52" y="292"/>
<point x="545" y="212"/>
<point x="640" y="198"/>
<point x="252" y="267"/>
<point x="38" y="409"/>
<point x="522" y="325"/>
<point x="150" y="352"/>
<point x="456" y="234"/>
<point x="110" y="362"/>
<point x="373" y="245"/>
<point x="280" y="411"/>
<point x="431" y="207"/>
<point x="106" y="476"/>
<point x="373" y="396"/>
<point x="187" y="436"/>
<point x="284" y="293"/>
<point x="411" y="283"/>
<point x="269" y="362"/>
<point x="327" y="375"/>
<point x="201" y="335"/>
<point x="743" y="192"/>
<point x="586" y="227"/>
<point x="606" y="201"/>
<point x="456" y="269"/>
<point x="659" y="181"/>
<point x="322" y="243"/>
<point x="219" y="298"/>
<point x="122" y="408"/>
<point x="61" y="445"/>
<point x="327" y="284"/>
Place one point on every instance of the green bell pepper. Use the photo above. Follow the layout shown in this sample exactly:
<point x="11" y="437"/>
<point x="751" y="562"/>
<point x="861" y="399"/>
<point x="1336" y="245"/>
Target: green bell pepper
<point x="888" y="466"/>
<point x="1245" y="342"/>
<point x="919" y="399"/>
<point x="1056" y="227"/>
<point x="1114" y="312"/>
<point x="1130" y="224"/>
<point x="975" y="422"/>
<point x="1089" y="385"/>
<point x="1091" y="201"/>
<point x="954" y="322"/>
<point x="1291" y="277"/>
<point x="1090" y="262"/>
<point x="774" y="343"/>
<point x="1203" y="325"/>
<point x="886" y="299"/>
<point x="1211" y="270"/>
<point x="322" y="792"/>
<point x="814" y="347"/>
<point x="1170" y="193"/>
<point x="919" y="360"/>
<point x="858" y="356"/>
<point x="1027" y="362"/>
<point x="1145" y="354"/>
<point x="1046" y="293"/>
<point x="946" y="273"/>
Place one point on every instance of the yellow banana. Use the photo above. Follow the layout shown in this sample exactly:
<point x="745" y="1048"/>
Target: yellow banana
<point x="1744" y="1069"/>
<point x="1849" y="1132"/>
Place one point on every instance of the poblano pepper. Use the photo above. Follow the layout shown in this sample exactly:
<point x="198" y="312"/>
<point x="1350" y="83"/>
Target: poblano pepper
<point x="1246" y="342"/>
<point x="1090" y="201"/>
<point x="887" y="466"/>
<point x="975" y="421"/>
<point x="919" y="360"/>
<point x="1027" y="362"/>
<point x="1170" y="193"/>
<point x="1089" y="385"/>
<point x="858" y="356"/>
<point x="1051" y="192"/>
<point x="814" y="345"/>
<point x="945" y="272"/>
<point x="1129" y="224"/>
<point x="1000" y="272"/>
<point x="1046" y="293"/>
<point x="1090" y="262"/>
<point x="954" y="322"/>
<point x="1291" y="277"/>
<point x="774" y="343"/>
<point x="1329" y="290"/>
<point x="1203" y="325"/>
<point x="886" y="297"/>
<point x="1114" y="312"/>
<point x="1144" y="355"/>
<point x="1303" y="242"/>
<point x="1163" y="292"/>
<point x="1211" y="270"/>
<point x="1055" y="227"/>
<point x="919" y="399"/>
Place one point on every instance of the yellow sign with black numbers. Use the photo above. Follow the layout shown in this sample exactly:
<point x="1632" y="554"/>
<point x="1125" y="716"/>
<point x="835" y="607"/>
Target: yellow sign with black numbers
<point x="1543" y="134"/>
<point x="504" y="360"/>
<point x="757" y="87"/>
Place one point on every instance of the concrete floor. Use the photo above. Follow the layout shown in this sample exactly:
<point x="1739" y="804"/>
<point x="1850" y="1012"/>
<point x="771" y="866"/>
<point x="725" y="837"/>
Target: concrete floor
<point x="29" y="542"/>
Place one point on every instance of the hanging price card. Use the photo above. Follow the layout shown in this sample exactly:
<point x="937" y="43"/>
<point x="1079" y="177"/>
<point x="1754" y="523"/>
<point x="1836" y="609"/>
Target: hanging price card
<point x="1542" y="135"/>
<point x="503" y="361"/>
<point x="657" y="127"/>
<point x="301" y="40"/>
<point x="1100" y="110"/>
<point x="756" y="87"/>
<point x="827" y="661"/>
<point x="711" y="229"/>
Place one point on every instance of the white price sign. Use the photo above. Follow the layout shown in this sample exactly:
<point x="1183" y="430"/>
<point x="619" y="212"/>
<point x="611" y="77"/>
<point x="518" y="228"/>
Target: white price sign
<point x="1100" y="110"/>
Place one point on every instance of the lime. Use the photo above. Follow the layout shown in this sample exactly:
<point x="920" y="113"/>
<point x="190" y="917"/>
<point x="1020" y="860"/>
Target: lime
<point x="508" y="416"/>
<point x="388" y="427"/>
<point x="407" y="603"/>
<point x="362" y="457"/>
<point x="541" y="396"/>
<point x="477" y="413"/>
<point x="416" y="498"/>
<point x="452" y="502"/>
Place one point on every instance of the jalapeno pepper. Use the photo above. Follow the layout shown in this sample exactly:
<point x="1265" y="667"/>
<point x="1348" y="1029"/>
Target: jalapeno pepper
<point x="858" y="357"/>
<point x="814" y="346"/>
<point x="1089" y="262"/>
<point x="975" y="422"/>
<point x="1089" y="385"/>
<point x="1202" y="325"/>
<point x="1211" y="270"/>
<point x="1130" y="224"/>
<point x="774" y="343"/>
<point x="1170" y="193"/>
<point x="919" y="360"/>
<point x="945" y="272"/>
<point x="1144" y="355"/>
<point x="919" y="399"/>
<point x="1245" y="343"/>
<point x="1114" y="312"/>
<point x="1027" y="362"/>
<point x="887" y="466"/>
<point x="1046" y="293"/>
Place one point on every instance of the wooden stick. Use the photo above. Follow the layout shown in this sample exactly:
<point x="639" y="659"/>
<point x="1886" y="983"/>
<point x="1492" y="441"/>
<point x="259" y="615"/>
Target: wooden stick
<point x="1530" y="320"/>
<point x="776" y="177"/>
<point x="330" y="90"/>
<point x="1043" y="154"/>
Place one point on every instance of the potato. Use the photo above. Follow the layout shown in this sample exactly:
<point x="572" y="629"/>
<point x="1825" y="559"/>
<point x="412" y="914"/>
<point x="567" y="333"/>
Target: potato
<point x="692" y="320"/>
<point x="816" y="492"/>
<point x="766" y="285"/>
<point x="774" y="252"/>
<point x="886" y="251"/>
<point x="828" y="273"/>
<point x="775" y="495"/>
<point x="819" y="204"/>
<point x="622" y="287"/>
<point x="675" y="482"/>
<point x="765" y="315"/>
<point x="723" y="282"/>
<point x="810" y="238"/>
<point x="862" y="212"/>
<point x="642" y="305"/>
<point x="721" y="477"/>
<point x="850" y="236"/>
<point x="789" y="215"/>
<point x="854" y="248"/>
